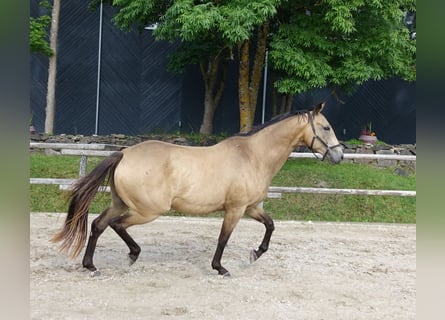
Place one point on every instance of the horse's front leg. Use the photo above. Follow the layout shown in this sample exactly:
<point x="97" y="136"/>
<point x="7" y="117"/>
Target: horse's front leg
<point x="258" y="214"/>
<point x="231" y="218"/>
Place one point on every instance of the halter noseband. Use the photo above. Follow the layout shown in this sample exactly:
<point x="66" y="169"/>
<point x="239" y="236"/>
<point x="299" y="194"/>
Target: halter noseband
<point x="316" y="137"/>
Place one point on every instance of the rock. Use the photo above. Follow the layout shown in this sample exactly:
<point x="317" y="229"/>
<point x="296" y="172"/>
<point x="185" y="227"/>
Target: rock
<point x="118" y="136"/>
<point x="384" y="162"/>
<point x="401" y="172"/>
<point x="382" y="147"/>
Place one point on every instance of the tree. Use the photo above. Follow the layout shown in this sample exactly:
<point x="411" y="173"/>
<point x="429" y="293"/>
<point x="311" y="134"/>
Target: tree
<point x="52" y="70"/>
<point x="212" y="59"/>
<point x="250" y="78"/>
<point x="341" y="43"/>
<point x="200" y="47"/>
<point x="231" y="23"/>
<point x="38" y="32"/>
<point x="38" y="35"/>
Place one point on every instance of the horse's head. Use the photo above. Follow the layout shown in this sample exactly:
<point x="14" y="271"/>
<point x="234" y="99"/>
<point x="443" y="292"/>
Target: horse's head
<point x="320" y="136"/>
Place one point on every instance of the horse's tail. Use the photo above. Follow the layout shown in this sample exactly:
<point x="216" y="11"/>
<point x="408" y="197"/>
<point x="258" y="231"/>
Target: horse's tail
<point x="74" y="232"/>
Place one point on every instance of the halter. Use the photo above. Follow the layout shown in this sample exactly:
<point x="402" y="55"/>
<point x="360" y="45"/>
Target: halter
<point x="316" y="137"/>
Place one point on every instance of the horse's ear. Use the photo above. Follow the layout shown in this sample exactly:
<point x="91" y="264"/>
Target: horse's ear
<point x="319" y="107"/>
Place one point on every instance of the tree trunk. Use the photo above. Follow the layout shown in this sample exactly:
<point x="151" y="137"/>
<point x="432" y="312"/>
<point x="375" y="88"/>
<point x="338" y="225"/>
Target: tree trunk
<point x="209" y="111"/>
<point x="243" y="87"/>
<point x="289" y="100"/>
<point x="214" y="87"/>
<point x="257" y="69"/>
<point x="52" y="70"/>
<point x="249" y="81"/>
<point x="285" y="101"/>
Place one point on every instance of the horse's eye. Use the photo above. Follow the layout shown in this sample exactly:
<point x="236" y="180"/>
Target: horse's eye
<point x="327" y="128"/>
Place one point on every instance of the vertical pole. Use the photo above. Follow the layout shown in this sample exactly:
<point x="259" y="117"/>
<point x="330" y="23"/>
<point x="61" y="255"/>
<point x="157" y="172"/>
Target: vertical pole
<point x="263" y="114"/>
<point x="99" y="62"/>
<point x="83" y="165"/>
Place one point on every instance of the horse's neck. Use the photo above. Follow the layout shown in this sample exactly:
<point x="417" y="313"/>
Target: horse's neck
<point x="276" y="142"/>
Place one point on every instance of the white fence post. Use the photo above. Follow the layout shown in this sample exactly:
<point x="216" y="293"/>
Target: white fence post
<point x="83" y="165"/>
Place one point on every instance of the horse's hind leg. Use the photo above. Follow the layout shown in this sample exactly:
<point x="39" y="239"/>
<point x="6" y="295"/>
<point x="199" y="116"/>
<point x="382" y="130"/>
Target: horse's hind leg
<point x="258" y="214"/>
<point x="98" y="226"/>
<point x="120" y="224"/>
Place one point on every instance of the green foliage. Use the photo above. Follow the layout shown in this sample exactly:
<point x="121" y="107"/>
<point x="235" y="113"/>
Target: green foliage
<point x="139" y="12"/>
<point x="312" y="44"/>
<point x="189" y="20"/>
<point x="342" y="43"/>
<point x="38" y="32"/>
<point x="239" y="18"/>
<point x="206" y="48"/>
<point x="233" y="21"/>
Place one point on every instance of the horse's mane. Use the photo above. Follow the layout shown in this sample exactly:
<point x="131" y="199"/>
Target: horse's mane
<point x="274" y="120"/>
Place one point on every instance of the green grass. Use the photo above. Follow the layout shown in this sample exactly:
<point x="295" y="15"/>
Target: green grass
<point x="322" y="207"/>
<point x="357" y="142"/>
<point x="298" y="172"/>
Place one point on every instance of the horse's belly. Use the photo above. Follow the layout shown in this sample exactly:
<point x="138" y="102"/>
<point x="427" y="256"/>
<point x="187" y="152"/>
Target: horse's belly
<point x="196" y="206"/>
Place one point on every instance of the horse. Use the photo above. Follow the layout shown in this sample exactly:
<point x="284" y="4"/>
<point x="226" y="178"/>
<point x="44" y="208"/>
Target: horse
<point x="152" y="177"/>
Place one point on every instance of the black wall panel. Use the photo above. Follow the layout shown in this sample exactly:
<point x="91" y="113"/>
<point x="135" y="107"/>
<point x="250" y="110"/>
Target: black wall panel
<point x="138" y="95"/>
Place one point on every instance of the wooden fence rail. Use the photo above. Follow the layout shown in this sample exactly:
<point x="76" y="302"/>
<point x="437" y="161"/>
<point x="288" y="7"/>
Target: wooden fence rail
<point x="347" y="156"/>
<point x="103" y="150"/>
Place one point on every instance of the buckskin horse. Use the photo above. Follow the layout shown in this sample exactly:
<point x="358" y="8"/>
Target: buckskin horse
<point x="152" y="177"/>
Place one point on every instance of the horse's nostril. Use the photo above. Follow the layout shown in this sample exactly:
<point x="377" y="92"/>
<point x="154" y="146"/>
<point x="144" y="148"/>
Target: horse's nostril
<point x="341" y="157"/>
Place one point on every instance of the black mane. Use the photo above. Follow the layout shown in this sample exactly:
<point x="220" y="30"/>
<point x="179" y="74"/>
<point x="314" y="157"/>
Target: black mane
<point x="274" y="120"/>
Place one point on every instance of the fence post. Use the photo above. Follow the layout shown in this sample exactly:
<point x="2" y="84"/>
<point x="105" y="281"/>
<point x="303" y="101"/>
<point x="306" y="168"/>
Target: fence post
<point x="83" y="165"/>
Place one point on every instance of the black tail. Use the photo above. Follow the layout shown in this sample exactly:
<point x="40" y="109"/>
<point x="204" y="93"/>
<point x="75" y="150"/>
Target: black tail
<point x="75" y="229"/>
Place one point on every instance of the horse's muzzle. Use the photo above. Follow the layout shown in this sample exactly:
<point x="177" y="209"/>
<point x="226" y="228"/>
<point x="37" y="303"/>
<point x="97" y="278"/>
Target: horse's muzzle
<point x="335" y="155"/>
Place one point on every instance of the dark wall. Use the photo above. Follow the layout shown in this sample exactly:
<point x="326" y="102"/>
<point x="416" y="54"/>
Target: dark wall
<point x="388" y="104"/>
<point x="138" y="95"/>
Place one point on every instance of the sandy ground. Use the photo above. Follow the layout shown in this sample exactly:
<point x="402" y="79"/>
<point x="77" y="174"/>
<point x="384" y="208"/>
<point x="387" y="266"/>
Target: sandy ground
<point x="311" y="271"/>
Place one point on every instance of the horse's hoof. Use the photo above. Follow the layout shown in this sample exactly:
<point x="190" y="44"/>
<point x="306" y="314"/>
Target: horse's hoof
<point x="253" y="256"/>
<point x="227" y="275"/>
<point x="131" y="261"/>
<point x="95" y="273"/>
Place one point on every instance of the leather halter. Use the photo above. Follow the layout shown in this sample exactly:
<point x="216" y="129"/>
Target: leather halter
<point x="316" y="137"/>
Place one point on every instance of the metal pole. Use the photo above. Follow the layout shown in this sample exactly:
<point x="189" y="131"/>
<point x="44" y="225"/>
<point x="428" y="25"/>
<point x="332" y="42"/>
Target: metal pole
<point x="99" y="62"/>
<point x="264" y="86"/>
